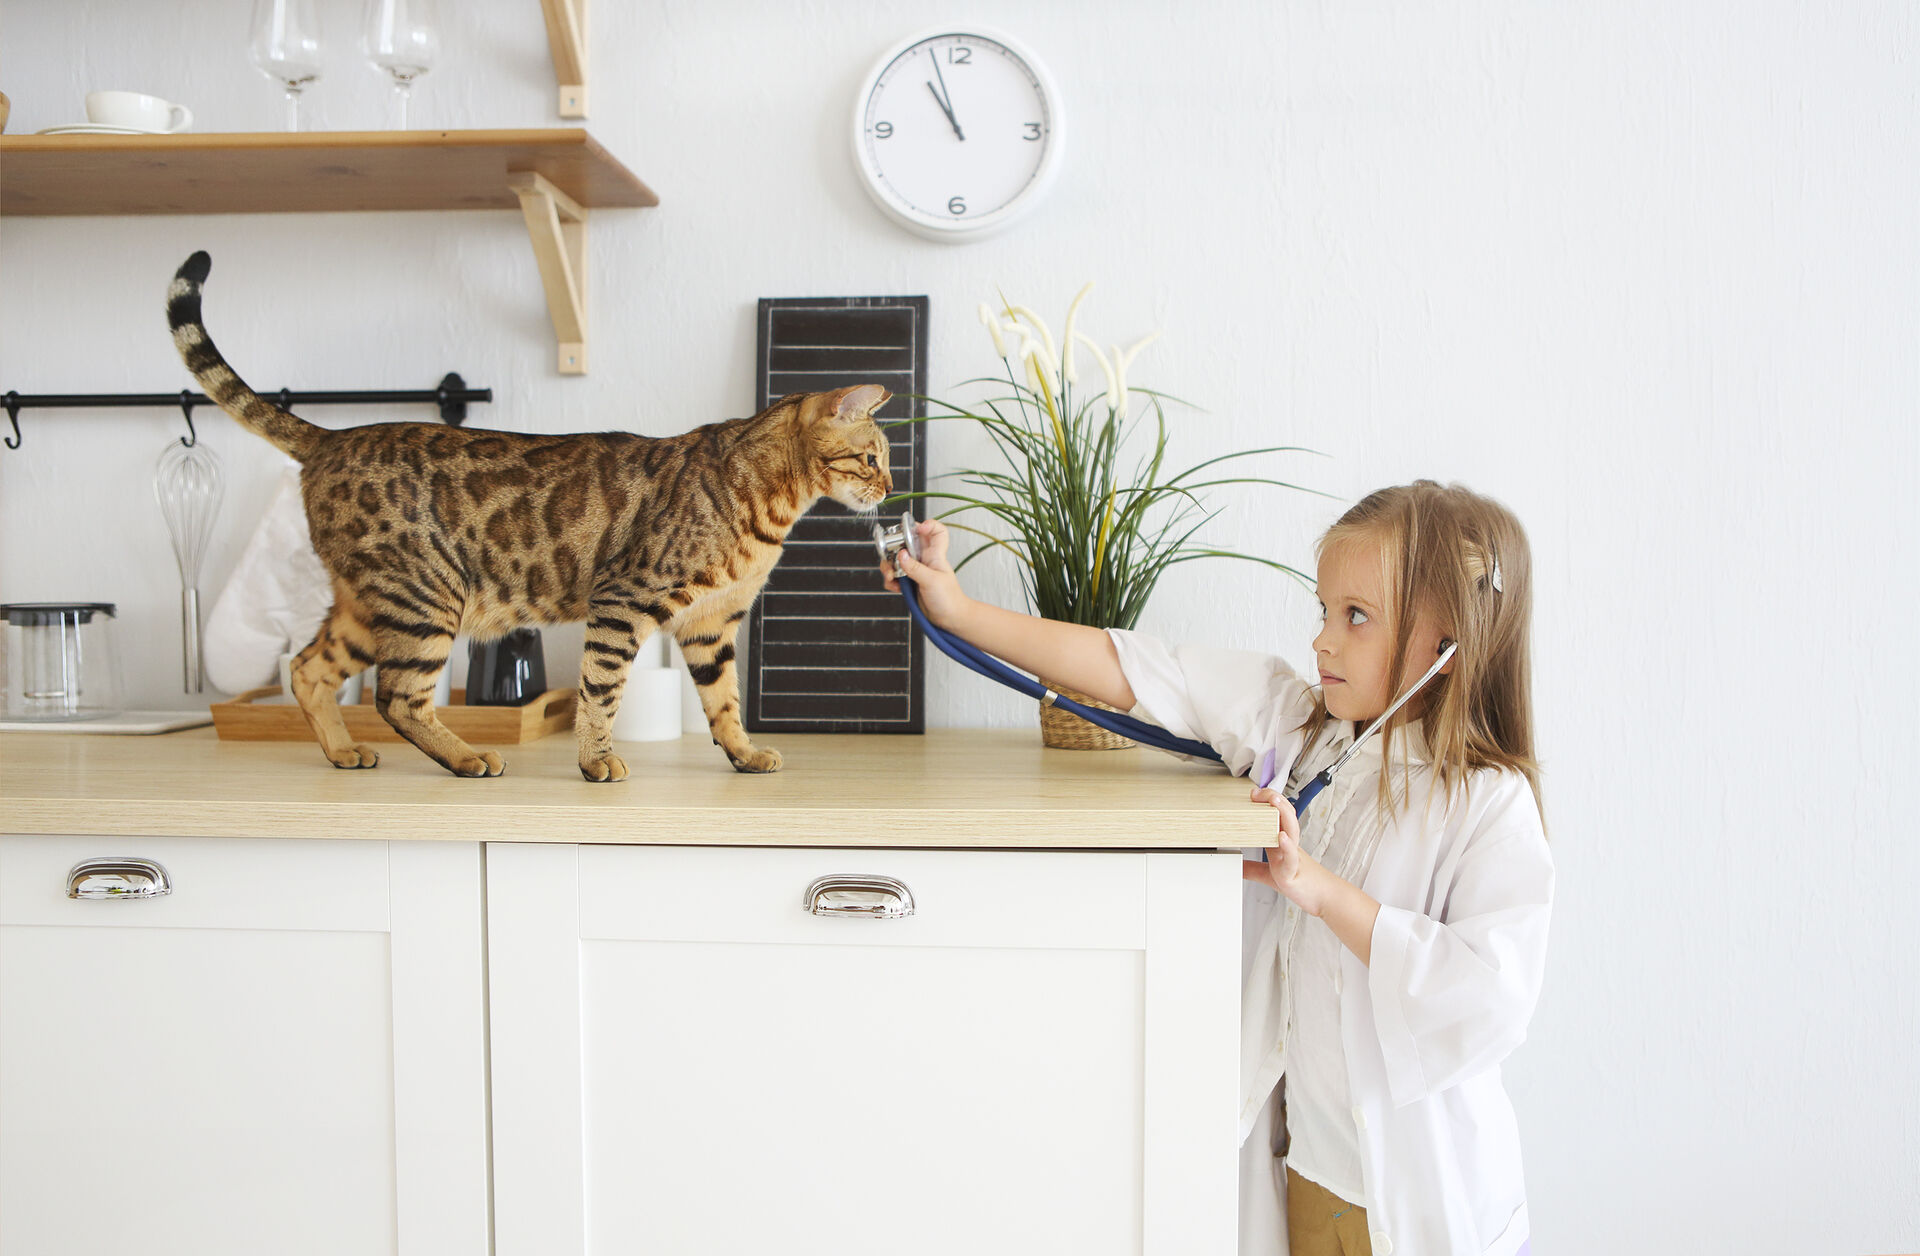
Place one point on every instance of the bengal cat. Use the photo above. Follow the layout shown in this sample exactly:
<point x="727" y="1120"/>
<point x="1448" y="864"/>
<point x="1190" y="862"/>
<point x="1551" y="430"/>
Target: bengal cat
<point x="430" y="530"/>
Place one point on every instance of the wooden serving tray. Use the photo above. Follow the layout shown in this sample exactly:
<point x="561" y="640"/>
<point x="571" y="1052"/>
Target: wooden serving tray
<point x="245" y="718"/>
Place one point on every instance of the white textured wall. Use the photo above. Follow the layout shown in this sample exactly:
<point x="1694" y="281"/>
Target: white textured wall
<point x="1646" y="271"/>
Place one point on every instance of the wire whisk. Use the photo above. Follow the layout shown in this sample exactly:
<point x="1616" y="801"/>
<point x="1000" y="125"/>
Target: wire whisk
<point x="188" y="485"/>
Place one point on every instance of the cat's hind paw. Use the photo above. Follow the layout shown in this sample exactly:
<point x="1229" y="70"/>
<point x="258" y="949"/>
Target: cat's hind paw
<point x="758" y="761"/>
<point x="610" y="767"/>
<point x="355" y="757"/>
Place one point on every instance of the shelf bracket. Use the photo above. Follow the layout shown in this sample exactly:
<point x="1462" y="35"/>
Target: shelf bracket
<point x="567" y="37"/>
<point x="557" y="224"/>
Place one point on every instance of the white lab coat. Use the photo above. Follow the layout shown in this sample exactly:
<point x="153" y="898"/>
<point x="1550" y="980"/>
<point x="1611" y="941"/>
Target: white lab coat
<point x="1457" y="954"/>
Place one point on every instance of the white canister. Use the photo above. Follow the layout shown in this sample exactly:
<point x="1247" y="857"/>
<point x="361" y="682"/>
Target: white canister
<point x="650" y="706"/>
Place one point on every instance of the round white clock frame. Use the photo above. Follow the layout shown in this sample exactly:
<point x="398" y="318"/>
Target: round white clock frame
<point x="956" y="133"/>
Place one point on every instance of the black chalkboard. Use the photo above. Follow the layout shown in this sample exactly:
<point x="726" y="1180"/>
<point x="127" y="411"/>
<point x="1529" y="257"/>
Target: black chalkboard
<point x="829" y="649"/>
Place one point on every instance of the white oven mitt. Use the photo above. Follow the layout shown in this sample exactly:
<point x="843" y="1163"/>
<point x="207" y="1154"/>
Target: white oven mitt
<point x="275" y="601"/>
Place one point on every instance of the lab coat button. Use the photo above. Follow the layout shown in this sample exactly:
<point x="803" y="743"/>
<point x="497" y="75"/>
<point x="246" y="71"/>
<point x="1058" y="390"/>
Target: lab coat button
<point x="1382" y="1245"/>
<point x="1359" y="1118"/>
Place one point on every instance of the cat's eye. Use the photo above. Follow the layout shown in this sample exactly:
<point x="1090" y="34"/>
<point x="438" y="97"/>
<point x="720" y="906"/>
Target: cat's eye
<point x="872" y="461"/>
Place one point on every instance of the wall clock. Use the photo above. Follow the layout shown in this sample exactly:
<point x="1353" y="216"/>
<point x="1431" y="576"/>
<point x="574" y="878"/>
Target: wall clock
<point x="957" y="132"/>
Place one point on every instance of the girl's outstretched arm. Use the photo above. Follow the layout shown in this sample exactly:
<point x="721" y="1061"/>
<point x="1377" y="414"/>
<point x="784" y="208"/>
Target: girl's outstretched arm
<point x="1073" y="655"/>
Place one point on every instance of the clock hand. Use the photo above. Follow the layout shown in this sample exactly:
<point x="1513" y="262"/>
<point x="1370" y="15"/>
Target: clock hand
<point x="943" y="109"/>
<point x="947" y="98"/>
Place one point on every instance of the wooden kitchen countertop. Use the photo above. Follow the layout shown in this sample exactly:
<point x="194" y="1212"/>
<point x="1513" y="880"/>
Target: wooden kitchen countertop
<point x="949" y="787"/>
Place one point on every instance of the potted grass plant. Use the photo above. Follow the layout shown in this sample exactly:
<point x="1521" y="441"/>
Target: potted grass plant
<point x="1086" y="502"/>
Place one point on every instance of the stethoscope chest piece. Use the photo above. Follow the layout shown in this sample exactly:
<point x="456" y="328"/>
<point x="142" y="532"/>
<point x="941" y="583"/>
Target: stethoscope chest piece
<point x="891" y="538"/>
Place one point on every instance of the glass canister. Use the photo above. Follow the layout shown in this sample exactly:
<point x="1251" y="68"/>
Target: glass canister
<point x="62" y="663"/>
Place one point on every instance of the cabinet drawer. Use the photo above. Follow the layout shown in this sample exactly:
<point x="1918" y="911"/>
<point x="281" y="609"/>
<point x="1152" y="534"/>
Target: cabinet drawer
<point x="218" y="883"/>
<point x="960" y="898"/>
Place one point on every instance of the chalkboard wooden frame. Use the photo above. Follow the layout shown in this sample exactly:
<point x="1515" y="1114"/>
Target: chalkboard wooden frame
<point x="829" y="650"/>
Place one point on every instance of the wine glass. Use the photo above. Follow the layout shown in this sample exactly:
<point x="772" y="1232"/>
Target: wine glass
<point x="400" y="37"/>
<point x="285" y="45"/>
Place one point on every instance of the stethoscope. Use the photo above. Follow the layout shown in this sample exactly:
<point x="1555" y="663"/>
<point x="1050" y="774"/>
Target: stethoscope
<point x="1263" y="774"/>
<point x="891" y="538"/>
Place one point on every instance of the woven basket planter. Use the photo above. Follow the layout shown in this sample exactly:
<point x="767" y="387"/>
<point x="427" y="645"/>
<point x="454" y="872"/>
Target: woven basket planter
<point x="1066" y="731"/>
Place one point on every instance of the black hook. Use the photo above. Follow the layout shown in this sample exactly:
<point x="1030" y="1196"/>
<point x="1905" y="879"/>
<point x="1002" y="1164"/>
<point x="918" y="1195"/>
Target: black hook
<point x="13" y="417"/>
<point x="452" y="412"/>
<point x="187" y="403"/>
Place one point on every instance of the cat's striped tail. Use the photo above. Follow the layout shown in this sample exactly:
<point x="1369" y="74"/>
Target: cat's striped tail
<point x="254" y="412"/>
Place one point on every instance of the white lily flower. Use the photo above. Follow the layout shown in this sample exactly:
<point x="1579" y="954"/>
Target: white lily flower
<point x="1123" y="357"/>
<point x="1106" y="368"/>
<point x="1067" y="337"/>
<point x="994" y="329"/>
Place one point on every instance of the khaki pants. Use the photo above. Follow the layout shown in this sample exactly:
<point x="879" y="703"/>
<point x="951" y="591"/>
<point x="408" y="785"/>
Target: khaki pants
<point x="1320" y="1223"/>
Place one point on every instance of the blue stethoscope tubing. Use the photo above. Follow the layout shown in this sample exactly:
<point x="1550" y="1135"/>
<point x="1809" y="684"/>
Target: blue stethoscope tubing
<point x="975" y="659"/>
<point x="971" y="656"/>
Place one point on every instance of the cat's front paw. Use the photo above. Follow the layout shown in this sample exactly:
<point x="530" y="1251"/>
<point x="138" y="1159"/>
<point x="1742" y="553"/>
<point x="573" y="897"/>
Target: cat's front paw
<point x="355" y="757"/>
<point x="758" y="761"/>
<point x="608" y="767"/>
<point x="480" y="763"/>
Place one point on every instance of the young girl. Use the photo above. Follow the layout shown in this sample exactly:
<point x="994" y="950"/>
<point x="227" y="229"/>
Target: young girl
<point x="1399" y="961"/>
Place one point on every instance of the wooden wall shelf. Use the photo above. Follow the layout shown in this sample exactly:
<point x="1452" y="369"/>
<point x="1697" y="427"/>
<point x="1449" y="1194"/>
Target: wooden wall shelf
<point x="336" y="171"/>
<point x="304" y="171"/>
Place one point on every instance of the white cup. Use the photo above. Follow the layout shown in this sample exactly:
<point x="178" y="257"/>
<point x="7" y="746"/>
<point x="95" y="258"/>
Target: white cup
<point x="137" y="112"/>
<point x="649" y="706"/>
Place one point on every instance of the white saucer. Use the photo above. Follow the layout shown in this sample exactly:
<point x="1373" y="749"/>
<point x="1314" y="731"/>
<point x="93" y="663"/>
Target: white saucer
<point x="94" y="128"/>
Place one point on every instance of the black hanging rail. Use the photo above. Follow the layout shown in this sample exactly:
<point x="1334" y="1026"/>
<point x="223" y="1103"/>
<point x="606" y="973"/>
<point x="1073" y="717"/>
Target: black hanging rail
<point x="452" y="396"/>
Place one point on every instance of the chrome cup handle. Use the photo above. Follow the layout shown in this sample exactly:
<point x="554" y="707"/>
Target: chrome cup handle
<point x="850" y="894"/>
<point x="118" y="878"/>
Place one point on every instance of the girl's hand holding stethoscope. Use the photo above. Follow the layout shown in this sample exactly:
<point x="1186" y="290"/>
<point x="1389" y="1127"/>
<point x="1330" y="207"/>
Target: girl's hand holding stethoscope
<point x="940" y="593"/>
<point x="1288" y="869"/>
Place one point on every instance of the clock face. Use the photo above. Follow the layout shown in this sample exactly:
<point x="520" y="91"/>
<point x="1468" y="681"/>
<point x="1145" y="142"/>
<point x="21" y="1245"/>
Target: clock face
<point x="956" y="133"/>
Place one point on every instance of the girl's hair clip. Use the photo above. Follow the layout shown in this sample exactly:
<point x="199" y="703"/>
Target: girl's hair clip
<point x="1497" y="586"/>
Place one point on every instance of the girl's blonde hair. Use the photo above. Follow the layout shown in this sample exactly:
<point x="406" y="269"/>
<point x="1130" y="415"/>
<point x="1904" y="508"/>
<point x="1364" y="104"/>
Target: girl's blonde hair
<point x="1462" y="559"/>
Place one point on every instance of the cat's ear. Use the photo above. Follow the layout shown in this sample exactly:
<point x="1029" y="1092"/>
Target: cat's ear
<point x="858" y="402"/>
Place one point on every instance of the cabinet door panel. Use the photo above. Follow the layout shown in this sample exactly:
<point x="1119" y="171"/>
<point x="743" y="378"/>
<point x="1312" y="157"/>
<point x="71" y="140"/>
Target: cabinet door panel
<point x="141" y="1068"/>
<point x="285" y="1054"/>
<point x="1041" y="1059"/>
<point x="747" y="1098"/>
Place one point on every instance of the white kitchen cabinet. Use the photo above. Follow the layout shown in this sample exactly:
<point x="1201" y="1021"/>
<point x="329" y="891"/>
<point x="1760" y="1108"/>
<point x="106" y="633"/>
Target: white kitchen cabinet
<point x="1042" y="1058"/>
<point x="285" y="1054"/>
